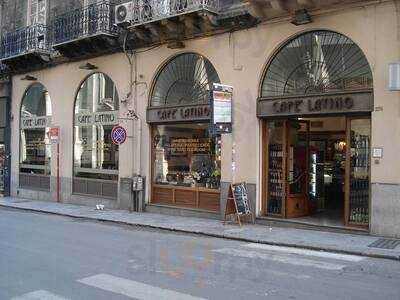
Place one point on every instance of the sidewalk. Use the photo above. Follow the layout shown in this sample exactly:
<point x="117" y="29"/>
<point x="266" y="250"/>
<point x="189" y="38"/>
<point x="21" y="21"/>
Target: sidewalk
<point x="291" y="237"/>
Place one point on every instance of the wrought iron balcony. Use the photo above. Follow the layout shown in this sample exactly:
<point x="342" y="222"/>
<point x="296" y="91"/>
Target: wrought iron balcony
<point x="85" y="29"/>
<point x="147" y="11"/>
<point x="27" y="41"/>
<point x="171" y="21"/>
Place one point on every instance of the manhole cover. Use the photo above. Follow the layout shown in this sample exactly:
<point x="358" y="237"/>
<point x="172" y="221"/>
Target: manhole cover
<point x="385" y="244"/>
<point x="21" y="201"/>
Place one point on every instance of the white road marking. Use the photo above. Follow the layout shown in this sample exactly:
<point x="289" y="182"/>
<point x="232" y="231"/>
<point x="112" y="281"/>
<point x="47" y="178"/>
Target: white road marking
<point x="282" y="259"/>
<point x="306" y="252"/>
<point x="39" y="295"/>
<point x="133" y="289"/>
<point x="284" y="274"/>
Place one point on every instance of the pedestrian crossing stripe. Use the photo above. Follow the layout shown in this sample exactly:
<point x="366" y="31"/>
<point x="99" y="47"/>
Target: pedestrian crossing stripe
<point x="134" y="289"/>
<point x="39" y="295"/>
<point x="297" y="261"/>
<point x="306" y="252"/>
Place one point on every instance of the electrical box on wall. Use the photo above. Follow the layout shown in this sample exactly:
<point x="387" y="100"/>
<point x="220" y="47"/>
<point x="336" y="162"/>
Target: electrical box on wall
<point x="394" y="76"/>
<point x="137" y="183"/>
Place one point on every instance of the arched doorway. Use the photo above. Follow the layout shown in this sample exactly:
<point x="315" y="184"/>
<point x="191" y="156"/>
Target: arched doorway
<point x="185" y="156"/>
<point x="35" y="147"/>
<point x="315" y="99"/>
<point x="96" y="158"/>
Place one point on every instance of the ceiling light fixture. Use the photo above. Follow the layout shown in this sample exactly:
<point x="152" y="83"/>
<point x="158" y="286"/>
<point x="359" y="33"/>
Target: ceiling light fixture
<point x="88" y="66"/>
<point x="176" y="45"/>
<point x="29" y="78"/>
<point x="301" y="17"/>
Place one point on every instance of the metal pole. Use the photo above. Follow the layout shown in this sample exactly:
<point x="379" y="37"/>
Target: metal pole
<point x="58" y="172"/>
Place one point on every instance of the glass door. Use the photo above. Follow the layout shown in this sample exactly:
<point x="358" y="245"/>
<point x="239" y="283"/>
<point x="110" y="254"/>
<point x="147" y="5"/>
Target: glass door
<point x="286" y="168"/>
<point x="274" y="168"/>
<point x="297" y="168"/>
<point x="37" y="12"/>
<point x="37" y="15"/>
<point x="358" y="171"/>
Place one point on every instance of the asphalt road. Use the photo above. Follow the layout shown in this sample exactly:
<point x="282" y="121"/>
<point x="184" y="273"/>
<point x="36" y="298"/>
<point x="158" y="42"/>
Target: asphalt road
<point x="52" y="257"/>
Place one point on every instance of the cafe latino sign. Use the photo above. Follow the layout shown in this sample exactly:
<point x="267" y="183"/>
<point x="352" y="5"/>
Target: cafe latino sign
<point x="97" y="118"/>
<point x="178" y="114"/>
<point x="315" y="104"/>
<point x="35" y="122"/>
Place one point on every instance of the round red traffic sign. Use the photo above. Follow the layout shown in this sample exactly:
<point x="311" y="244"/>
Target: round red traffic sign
<point x="118" y="135"/>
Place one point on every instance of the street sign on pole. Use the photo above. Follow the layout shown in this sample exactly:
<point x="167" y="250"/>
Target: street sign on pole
<point x="118" y="135"/>
<point x="54" y="135"/>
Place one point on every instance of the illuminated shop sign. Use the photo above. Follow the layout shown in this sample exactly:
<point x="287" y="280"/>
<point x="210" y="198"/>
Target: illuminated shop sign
<point x="222" y="108"/>
<point x="316" y="104"/>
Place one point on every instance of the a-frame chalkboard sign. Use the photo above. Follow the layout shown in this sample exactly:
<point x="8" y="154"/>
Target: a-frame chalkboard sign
<point x="238" y="203"/>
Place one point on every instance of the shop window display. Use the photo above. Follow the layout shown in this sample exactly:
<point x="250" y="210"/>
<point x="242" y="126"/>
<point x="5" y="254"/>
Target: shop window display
<point x="185" y="155"/>
<point x="35" y="153"/>
<point x="96" y="113"/>
<point x="360" y="143"/>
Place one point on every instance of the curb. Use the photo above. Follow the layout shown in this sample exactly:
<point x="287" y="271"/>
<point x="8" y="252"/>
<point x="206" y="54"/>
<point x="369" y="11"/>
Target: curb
<point x="215" y="235"/>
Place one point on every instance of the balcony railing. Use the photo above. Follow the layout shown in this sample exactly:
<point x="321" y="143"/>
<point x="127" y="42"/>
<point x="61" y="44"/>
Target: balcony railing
<point x="146" y="11"/>
<point x="91" y="20"/>
<point x="25" y="40"/>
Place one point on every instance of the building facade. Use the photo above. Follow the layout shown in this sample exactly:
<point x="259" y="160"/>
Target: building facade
<point x="314" y="124"/>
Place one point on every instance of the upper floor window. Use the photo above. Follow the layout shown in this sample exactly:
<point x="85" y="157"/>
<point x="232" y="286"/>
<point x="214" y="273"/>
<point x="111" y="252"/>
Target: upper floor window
<point x="37" y="12"/>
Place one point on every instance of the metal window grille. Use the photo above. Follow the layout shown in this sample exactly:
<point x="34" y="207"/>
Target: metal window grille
<point x="317" y="62"/>
<point x="186" y="79"/>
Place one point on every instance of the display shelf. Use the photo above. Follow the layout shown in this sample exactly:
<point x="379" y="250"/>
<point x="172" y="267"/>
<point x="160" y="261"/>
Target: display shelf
<point x="359" y="179"/>
<point x="275" y="179"/>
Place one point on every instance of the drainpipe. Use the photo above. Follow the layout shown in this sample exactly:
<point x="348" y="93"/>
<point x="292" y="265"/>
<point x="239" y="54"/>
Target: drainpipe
<point x="132" y="96"/>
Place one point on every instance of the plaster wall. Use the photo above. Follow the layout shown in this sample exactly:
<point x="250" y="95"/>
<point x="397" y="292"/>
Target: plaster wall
<point x="239" y="59"/>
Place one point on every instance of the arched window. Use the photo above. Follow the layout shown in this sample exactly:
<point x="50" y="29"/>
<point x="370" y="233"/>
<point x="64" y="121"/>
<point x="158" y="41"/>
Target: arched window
<point x="185" y="80"/>
<point x="96" y="113"/>
<point x="186" y="157"/>
<point x="316" y="98"/>
<point x="317" y="62"/>
<point x="35" y="148"/>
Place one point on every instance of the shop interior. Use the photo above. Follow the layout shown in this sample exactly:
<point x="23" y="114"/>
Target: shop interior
<point x="185" y="155"/>
<point x="326" y="171"/>
<point x="186" y="166"/>
<point x="316" y="170"/>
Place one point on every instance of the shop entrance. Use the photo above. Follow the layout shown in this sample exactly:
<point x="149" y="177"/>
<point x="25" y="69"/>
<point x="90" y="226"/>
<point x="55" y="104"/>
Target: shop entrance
<point x="317" y="170"/>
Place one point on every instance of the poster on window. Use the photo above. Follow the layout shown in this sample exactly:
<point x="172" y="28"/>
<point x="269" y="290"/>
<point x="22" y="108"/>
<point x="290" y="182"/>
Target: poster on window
<point x="190" y="146"/>
<point x="222" y="108"/>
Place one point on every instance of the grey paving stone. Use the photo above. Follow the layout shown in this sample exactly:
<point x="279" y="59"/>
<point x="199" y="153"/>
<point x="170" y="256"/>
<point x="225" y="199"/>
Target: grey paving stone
<point x="311" y="239"/>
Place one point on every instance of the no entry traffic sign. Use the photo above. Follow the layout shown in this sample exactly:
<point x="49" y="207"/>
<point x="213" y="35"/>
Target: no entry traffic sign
<point x="118" y="135"/>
